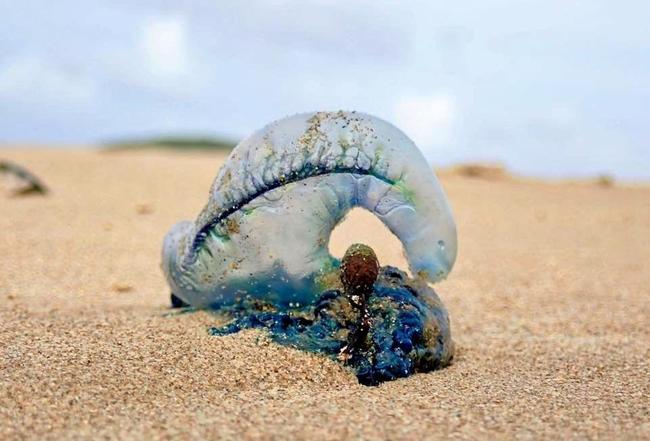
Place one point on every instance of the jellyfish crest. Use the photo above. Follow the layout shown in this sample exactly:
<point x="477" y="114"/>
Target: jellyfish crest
<point x="273" y="205"/>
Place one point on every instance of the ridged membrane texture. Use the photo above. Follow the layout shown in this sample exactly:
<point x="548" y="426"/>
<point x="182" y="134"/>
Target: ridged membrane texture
<point x="265" y="229"/>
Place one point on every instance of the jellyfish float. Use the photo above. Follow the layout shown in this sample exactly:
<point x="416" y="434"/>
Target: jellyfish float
<point x="259" y="249"/>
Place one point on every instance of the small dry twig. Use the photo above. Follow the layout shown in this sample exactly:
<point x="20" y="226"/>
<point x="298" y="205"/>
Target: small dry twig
<point x="31" y="184"/>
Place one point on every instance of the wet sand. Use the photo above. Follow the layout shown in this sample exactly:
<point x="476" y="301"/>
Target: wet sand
<point x="549" y="302"/>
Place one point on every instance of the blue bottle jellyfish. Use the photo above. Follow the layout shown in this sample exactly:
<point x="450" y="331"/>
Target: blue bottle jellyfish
<point x="263" y="236"/>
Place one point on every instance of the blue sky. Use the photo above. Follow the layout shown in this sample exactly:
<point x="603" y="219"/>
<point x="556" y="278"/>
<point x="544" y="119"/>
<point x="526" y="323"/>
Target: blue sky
<point x="550" y="88"/>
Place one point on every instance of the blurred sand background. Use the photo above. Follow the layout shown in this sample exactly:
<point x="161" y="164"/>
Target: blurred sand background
<point x="549" y="301"/>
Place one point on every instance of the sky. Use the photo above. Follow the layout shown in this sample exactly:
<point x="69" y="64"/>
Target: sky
<point x="554" y="88"/>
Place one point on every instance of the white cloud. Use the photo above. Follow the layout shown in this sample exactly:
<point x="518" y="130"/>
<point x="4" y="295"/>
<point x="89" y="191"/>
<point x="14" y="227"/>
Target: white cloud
<point x="428" y="120"/>
<point x="32" y="81"/>
<point x="161" y="59"/>
<point x="163" y="43"/>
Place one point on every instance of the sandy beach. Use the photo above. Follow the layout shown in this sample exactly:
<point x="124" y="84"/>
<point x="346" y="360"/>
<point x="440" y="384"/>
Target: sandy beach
<point x="549" y="303"/>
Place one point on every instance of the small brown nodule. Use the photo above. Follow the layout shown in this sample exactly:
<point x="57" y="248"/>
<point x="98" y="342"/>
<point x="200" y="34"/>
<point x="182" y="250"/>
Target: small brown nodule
<point x="359" y="269"/>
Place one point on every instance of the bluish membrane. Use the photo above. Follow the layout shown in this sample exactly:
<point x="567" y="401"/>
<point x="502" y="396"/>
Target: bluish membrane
<point x="409" y="329"/>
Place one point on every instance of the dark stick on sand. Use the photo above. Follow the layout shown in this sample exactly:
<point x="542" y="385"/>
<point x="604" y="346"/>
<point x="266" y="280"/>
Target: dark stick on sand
<point x="32" y="183"/>
<point x="359" y="271"/>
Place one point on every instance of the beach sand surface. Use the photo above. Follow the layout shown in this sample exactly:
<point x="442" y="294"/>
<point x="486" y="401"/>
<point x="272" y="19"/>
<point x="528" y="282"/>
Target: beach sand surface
<point x="549" y="303"/>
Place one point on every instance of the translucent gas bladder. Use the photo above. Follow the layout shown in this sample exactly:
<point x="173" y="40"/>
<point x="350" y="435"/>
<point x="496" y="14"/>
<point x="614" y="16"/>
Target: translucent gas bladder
<point x="265" y="230"/>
